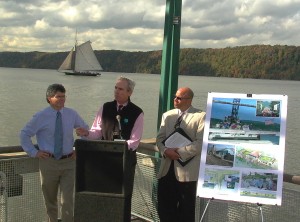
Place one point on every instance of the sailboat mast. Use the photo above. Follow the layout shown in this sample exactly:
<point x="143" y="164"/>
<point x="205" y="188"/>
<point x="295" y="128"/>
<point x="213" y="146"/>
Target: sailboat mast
<point x="75" y="53"/>
<point x="76" y="38"/>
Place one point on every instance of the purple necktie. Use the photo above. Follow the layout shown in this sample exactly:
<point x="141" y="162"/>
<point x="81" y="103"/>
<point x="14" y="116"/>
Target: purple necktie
<point x="120" y="108"/>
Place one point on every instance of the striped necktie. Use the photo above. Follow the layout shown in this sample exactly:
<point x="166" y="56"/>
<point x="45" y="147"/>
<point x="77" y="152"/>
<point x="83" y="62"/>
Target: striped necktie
<point x="58" y="137"/>
<point x="178" y="121"/>
<point x="120" y="108"/>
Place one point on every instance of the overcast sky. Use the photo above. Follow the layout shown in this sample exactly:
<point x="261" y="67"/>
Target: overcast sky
<point x="137" y="25"/>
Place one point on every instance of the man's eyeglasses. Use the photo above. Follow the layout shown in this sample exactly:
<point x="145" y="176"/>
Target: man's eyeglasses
<point x="60" y="97"/>
<point x="180" y="98"/>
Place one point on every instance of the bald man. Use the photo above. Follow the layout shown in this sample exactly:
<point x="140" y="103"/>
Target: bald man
<point x="179" y="169"/>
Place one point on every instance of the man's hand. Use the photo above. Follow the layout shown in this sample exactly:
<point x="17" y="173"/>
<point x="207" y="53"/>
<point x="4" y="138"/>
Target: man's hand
<point x="81" y="131"/>
<point x="73" y="155"/>
<point x="42" y="154"/>
<point x="172" y="153"/>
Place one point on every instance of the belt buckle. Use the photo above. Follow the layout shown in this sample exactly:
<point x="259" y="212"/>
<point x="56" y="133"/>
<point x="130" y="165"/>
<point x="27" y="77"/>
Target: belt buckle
<point x="66" y="156"/>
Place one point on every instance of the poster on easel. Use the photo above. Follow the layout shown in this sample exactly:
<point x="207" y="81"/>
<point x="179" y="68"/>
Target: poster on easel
<point x="243" y="148"/>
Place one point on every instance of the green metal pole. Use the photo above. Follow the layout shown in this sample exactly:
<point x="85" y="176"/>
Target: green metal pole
<point x="174" y="70"/>
<point x="165" y="65"/>
<point x="170" y="57"/>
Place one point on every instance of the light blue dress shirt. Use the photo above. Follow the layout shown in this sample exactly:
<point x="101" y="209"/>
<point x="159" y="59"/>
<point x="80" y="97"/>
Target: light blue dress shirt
<point x="42" y="125"/>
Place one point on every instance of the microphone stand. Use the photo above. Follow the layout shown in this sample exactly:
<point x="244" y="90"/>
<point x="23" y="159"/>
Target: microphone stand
<point x="118" y="117"/>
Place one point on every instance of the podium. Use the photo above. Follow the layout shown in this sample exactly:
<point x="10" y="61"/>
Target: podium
<point x="104" y="181"/>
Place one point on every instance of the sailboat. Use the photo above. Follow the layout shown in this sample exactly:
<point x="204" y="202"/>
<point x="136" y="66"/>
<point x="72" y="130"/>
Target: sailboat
<point x="81" y="61"/>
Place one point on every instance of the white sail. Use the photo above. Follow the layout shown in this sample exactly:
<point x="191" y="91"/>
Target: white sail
<point x="81" y="61"/>
<point x="67" y="64"/>
<point x="86" y="59"/>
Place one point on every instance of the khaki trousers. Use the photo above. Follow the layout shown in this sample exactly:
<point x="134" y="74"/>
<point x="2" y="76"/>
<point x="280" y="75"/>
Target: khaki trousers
<point x="58" y="175"/>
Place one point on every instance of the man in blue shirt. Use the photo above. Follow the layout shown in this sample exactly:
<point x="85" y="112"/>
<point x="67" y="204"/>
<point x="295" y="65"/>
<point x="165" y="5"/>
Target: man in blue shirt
<point x="55" y="152"/>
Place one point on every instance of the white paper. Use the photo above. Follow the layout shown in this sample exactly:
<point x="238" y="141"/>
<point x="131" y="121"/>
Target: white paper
<point x="177" y="140"/>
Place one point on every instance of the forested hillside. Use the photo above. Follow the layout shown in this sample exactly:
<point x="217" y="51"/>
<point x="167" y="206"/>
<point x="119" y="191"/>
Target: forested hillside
<point x="256" y="61"/>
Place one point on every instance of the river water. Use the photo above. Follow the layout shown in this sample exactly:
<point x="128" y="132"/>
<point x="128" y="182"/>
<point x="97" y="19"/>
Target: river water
<point x="22" y="93"/>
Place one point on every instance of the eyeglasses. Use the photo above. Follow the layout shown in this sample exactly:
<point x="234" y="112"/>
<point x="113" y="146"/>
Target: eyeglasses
<point x="60" y="97"/>
<point x="180" y="98"/>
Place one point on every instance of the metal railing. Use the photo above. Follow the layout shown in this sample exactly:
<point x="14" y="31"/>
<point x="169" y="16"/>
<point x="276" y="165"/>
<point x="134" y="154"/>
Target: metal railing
<point x="21" y="196"/>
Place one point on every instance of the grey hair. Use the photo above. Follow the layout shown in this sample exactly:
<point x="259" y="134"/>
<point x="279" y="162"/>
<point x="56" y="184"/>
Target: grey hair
<point x="53" y="89"/>
<point x="131" y="83"/>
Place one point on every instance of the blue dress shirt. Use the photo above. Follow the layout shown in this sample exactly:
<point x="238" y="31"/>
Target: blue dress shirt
<point x="42" y="125"/>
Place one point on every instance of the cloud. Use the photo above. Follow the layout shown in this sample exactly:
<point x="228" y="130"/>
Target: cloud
<point x="138" y="25"/>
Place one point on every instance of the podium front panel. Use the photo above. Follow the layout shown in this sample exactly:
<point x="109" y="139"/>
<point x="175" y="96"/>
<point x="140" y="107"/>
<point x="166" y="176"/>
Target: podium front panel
<point x="92" y="207"/>
<point x="100" y="166"/>
<point x="104" y="181"/>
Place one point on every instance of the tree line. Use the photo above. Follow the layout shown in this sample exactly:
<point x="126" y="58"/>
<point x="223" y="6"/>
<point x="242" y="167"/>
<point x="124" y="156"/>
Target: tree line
<point x="255" y="61"/>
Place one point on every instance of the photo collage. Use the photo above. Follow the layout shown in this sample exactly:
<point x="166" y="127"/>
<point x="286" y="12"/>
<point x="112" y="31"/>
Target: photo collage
<point x="243" y="148"/>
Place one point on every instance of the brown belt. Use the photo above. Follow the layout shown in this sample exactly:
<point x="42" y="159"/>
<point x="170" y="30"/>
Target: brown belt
<point x="63" y="156"/>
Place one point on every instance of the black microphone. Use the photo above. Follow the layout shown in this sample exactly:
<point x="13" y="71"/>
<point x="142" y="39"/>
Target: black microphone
<point x="118" y="117"/>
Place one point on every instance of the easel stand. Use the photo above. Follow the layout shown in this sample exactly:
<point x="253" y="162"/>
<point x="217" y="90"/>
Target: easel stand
<point x="261" y="213"/>
<point x="258" y="205"/>
<point x="205" y="209"/>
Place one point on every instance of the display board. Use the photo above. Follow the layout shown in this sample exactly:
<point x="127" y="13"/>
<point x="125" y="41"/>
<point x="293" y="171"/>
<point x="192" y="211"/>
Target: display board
<point x="243" y="148"/>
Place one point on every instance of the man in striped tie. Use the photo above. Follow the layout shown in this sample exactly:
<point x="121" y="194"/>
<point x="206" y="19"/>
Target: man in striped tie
<point x="178" y="173"/>
<point x="53" y="128"/>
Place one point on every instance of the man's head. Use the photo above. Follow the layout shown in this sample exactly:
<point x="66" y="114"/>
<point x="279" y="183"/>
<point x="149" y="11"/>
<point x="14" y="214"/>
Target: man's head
<point x="183" y="98"/>
<point x="55" y="96"/>
<point x="123" y="89"/>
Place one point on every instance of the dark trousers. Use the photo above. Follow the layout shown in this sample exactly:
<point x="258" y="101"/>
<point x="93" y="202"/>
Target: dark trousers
<point x="176" y="200"/>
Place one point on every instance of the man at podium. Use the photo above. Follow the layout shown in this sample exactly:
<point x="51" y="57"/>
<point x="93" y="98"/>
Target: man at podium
<point x="119" y="119"/>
